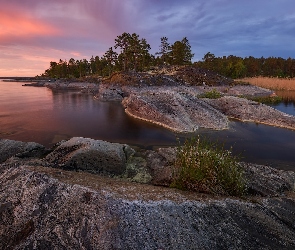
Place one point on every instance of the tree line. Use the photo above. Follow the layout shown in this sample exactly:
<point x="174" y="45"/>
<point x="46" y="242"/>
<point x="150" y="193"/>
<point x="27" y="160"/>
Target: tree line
<point x="130" y="52"/>
<point x="238" y="67"/>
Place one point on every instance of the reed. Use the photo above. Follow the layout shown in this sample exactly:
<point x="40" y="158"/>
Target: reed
<point x="271" y="83"/>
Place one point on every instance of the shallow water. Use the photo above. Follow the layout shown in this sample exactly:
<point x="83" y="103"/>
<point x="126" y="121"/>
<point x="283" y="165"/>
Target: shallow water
<point x="46" y="117"/>
<point x="288" y="104"/>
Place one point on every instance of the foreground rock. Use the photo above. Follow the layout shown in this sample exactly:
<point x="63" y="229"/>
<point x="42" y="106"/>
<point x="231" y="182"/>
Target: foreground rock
<point x="51" y="208"/>
<point x="9" y="148"/>
<point x="245" y="110"/>
<point x="181" y="112"/>
<point x="90" y="155"/>
<point x="260" y="180"/>
<point x="44" y="208"/>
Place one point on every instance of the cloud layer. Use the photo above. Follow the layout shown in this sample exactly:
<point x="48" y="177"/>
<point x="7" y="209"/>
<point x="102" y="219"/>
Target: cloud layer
<point x="33" y="33"/>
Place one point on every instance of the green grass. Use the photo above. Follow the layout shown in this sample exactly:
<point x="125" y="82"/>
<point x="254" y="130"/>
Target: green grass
<point x="204" y="166"/>
<point x="213" y="94"/>
<point x="267" y="99"/>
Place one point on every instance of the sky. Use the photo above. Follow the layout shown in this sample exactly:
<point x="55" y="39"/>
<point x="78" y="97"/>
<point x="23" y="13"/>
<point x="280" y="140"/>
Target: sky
<point x="35" y="32"/>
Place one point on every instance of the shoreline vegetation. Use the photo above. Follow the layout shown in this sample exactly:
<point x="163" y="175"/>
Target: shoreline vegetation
<point x="272" y="83"/>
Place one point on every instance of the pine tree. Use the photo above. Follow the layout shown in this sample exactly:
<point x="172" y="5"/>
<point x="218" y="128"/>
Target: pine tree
<point x="111" y="58"/>
<point x="181" y="52"/>
<point x="165" y="50"/>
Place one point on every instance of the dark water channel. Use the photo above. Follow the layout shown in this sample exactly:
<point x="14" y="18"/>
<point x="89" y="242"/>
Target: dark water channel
<point x="46" y="117"/>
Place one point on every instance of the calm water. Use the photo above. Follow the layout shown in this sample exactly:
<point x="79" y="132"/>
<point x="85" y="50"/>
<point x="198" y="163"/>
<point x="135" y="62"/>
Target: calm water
<point x="46" y="117"/>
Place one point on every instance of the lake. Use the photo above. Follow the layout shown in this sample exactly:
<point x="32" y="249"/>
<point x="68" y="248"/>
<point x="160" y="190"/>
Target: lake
<point x="45" y="116"/>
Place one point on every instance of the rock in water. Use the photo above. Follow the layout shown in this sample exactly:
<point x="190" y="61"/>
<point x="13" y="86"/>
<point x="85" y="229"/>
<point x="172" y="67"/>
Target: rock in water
<point x="181" y="112"/>
<point x="246" y="110"/>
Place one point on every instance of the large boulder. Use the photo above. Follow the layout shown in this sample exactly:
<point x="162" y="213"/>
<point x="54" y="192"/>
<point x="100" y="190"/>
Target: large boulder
<point x="180" y="112"/>
<point x="161" y="163"/>
<point x="9" y="148"/>
<point x="90" y="155"/>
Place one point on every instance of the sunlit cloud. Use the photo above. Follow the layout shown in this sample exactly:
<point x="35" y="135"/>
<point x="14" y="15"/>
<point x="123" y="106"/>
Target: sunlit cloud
<point x="33" y="32"/>
<point x="12" y="26"/>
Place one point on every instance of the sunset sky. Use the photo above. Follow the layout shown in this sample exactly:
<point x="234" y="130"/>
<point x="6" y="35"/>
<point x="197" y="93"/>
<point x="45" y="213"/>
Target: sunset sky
<point x="35" y="32"/>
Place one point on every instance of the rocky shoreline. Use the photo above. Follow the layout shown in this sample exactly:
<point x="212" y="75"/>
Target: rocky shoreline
<point x="89" y="194"/>
<point x="173" y="99"/>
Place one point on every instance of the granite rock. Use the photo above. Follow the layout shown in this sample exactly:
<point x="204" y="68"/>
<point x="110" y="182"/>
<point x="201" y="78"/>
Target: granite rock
<point x="10" y="148"/>
<point x="84" y="154"/>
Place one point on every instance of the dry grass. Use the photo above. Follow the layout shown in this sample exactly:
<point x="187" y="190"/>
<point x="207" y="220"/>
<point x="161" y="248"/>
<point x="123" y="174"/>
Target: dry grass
<point x="272" y="83"/>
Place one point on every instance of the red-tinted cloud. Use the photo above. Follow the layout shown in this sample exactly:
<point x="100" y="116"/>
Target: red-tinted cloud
<point x="79" y="29"/>
<point x="18" y="26"/>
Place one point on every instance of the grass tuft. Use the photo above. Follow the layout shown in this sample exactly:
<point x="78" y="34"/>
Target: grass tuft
<point x="204" y="166"/>
<point x="213" y="94"/>
<point x="267" y="99"/>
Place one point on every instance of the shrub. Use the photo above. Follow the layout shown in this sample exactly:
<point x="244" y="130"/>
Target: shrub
<point x="204" y="166"/>
<point x="213" y="94"/>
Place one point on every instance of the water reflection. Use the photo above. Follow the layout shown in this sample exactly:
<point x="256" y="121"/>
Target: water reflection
<point x="287" y="95"/>
<point x="45" y="116"/>
<point x="80" y="115"/>
<point x="288" y="104"/>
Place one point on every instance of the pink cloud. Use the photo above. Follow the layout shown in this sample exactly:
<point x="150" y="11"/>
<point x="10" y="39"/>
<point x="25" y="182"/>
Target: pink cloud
<point x="18" y="26"/>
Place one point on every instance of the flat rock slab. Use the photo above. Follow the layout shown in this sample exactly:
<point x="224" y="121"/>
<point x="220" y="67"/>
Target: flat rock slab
<point x="180" y="112"/>
<point x="71" y="85"/>
<point x="38" y="211"/>
<point x="246" y="110"/>
<point x="9" y="148"/>
<point x="90" y="155"/>
<point x="248" y="90"/>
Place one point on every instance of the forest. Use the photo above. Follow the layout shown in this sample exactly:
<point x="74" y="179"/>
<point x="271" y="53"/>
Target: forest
<point x="238" y="67"/>
<point x="133" y="55"/>
<point x="130" y="52"/>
